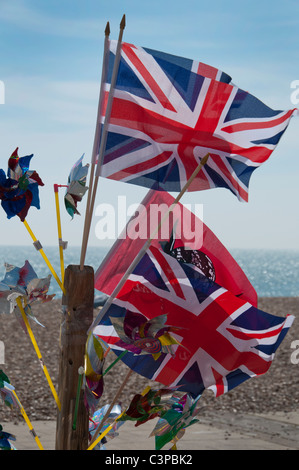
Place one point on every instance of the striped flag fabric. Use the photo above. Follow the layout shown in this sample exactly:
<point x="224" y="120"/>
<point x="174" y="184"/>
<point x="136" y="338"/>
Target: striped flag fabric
<point x="220" y="339"/>
<point x="169" y="112"/>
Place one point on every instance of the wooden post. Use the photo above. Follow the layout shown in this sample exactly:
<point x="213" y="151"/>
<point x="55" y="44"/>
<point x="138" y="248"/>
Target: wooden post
<point x="77" y="318"/>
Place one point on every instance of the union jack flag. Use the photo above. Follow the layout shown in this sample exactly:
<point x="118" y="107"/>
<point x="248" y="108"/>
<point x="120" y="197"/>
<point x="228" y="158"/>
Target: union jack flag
<point x="169" y="112"/>
<point x="221" y="340"/>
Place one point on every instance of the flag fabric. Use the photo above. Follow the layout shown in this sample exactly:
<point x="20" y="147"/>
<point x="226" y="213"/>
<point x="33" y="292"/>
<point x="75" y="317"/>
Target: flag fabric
<point x="184" y="236"/>
<point x="223" y="340"/>
<point x="168" y="113"/>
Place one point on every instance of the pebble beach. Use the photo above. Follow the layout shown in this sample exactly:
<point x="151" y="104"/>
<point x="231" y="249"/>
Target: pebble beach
<point x="275" y="391"/>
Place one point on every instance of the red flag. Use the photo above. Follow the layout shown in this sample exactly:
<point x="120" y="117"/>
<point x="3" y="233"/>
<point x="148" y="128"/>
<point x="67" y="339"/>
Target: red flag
<point x="184" y="236"/>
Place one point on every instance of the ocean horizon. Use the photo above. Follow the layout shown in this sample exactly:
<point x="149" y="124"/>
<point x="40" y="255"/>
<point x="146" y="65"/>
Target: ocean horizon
<point x="273" y="273"/>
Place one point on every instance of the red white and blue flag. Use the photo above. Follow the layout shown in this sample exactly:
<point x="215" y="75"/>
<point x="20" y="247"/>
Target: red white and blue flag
<point x="184" y="236"/>
<point x="223" y="340"/>
<point x="169" y="112"/>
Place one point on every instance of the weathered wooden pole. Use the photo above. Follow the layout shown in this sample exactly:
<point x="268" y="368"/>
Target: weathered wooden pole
<point x="77" y="302"/>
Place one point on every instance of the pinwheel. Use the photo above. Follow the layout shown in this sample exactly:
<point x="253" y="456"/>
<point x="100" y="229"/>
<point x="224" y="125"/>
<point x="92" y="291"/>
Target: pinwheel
<point x="139" y="335"/>
<point x="171" y="426"/>
<point x="93" y="369"/>
<point x="76" y="187"/>
<point x="96" y="420"/>
<point x="6" y="391"/>
<point x="148" y="405"/>
<point x="5" y="437"/>
<point x="19" y="191"/>
<point x="24" y="283"/>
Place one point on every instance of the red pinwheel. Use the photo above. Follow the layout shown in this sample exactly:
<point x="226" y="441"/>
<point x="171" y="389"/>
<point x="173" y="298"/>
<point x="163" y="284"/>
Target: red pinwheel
<point x="148" y="405"/>
<point x="19" y="190"/>
<point x="139" y="335"/>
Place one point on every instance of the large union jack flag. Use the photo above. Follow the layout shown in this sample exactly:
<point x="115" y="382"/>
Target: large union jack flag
<point x="169" y="112"/>
<point x="220" y="340"/>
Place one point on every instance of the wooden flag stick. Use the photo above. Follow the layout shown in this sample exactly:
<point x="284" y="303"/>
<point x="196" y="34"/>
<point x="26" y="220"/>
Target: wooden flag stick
<point x="38" y="353"/>
<point x="146" y="245"/>
<point x="38" y="246"/>
<point x="111" y="406"/>
<point x="102" y="141"/>
<point x="97" y="133"/>
<point x="27" y="421"/>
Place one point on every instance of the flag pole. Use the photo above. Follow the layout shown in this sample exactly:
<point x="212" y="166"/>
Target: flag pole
<point x="97" y="131"/>
<point x="103" y="141"/>
<point x="147" y="244"/>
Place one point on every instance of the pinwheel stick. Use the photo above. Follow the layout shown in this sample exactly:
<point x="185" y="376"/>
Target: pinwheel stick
<point x="27" y="421"/>
<point x="60" y="242"/>
<point x="114" y="362"/>
<point x="80" y="380"/>
<point x="40" y="249"/>
<point x="38" y="353"/>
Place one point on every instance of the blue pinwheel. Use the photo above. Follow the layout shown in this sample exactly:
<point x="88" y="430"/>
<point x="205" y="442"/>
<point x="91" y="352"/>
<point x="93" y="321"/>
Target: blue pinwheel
<point x="19" y="190"/>
<point x="5" y="437"/>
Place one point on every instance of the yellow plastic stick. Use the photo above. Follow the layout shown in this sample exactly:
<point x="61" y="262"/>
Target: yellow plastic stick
<point x="59" y="232"/>
<point x="19" y="303"/>
<point x="27" y="421"/>
<point x="99" y="438"/>
<point x="44" y="256"/>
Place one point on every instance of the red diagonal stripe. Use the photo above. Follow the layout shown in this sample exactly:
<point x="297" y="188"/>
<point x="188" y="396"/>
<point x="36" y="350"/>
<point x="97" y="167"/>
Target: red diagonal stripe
<point x="243" y="126"/>
<point x="147" y="77"/>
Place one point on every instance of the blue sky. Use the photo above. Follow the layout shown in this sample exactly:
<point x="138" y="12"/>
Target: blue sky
<point x="51" y="58"/>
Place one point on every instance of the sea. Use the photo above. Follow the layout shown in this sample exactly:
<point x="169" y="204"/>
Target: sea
<point x="273" y="273"/>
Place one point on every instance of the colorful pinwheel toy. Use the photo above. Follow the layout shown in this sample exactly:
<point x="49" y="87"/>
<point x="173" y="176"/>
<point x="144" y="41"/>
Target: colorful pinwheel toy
<point x="148" y="405"/>
<point x="171" y="426"/>
<point x="23" y="282"/>
<point x="96" y="420"/>
<point x="19" y="190"/>
<point x="5" y="437"/>
<point x="6" y="391"/>
<point x="94" y="362"/>
<point x="76" y="187"/>
<point x="142" y="336"/>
